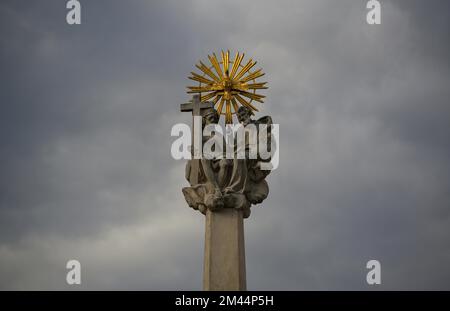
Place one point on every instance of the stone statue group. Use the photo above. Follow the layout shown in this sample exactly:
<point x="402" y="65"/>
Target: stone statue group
<point x="229" y="183"/>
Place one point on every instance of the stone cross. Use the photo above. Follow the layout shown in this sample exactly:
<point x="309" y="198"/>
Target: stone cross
<point x="195" y="106"/>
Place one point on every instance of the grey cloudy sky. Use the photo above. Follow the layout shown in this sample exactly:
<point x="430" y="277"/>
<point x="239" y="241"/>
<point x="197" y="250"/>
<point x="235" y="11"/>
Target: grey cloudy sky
<point x="85" y="165"/>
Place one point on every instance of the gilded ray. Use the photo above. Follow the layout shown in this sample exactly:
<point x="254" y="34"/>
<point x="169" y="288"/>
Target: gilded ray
<point x="198" y="89"/>
<point x="236" y="64"/>
<point x="245" y="103"/>
<point x="255" y="86"/>
<point x="199" y="78"/>
<point x="246" y="68"/>
<point x="208" y="96"/>
<point x="235" y="105"/>
<point x="216" y="99"/>
<point x="253" y="96"/>
<point x="219" y="107"/>
<point x="206" y="70"/>
<point x="228" y="117"/>
<point x="258" y="73"/>
<point x="225" y="60"/>
<point x="216" y="65"/>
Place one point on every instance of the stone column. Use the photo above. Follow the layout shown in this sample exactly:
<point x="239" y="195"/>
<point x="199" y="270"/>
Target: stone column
<point x="224" y="265"/>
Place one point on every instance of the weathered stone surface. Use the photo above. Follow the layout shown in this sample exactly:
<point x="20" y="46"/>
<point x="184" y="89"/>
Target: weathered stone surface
<point x="226" y="183"/>
<point x="224" y="265"/>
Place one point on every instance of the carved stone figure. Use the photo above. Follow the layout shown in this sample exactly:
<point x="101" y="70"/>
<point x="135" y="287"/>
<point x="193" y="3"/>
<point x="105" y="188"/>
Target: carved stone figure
<point x="228" y="183"/>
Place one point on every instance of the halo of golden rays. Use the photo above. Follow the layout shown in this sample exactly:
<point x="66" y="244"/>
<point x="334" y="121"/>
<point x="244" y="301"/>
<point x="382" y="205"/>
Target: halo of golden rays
<point x="227" y="89"/>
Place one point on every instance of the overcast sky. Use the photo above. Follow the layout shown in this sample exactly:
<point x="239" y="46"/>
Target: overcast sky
<point x="85" y="165"/>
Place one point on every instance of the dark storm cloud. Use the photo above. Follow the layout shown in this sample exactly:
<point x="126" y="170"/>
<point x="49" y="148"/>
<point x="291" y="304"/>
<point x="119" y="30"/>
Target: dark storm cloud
<point x="372" y="176"/>
<point x="60" y="96"/>
<point x="84" y="140"/>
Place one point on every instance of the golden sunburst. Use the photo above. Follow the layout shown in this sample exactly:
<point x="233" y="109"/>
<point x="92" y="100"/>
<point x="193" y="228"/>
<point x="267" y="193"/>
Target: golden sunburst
<point x="228" y="89"/>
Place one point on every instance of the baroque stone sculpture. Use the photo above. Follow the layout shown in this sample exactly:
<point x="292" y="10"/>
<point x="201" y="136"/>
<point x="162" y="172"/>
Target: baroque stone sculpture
<point x="223" y="187"/>
<point x="228" y="183"/>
